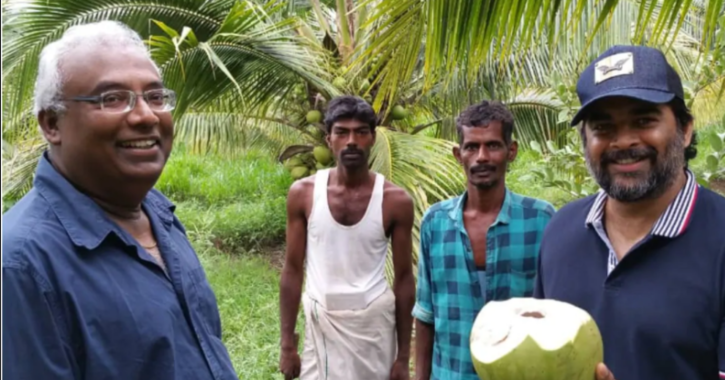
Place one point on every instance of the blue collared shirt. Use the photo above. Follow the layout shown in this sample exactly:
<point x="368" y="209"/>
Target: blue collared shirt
<point x="82" y="300"/>
<point x="449" y="295"/>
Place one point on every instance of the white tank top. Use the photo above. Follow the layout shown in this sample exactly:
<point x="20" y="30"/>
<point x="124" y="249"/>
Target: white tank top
<point x="345" y="264"/>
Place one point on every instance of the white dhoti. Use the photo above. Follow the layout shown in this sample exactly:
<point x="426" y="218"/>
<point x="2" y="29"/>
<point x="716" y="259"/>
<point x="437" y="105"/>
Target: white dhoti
<point x="349" y="344"/>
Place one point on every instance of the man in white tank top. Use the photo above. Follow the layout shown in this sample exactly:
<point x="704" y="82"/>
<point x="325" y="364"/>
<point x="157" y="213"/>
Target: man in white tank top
<point x="340" y="221"/>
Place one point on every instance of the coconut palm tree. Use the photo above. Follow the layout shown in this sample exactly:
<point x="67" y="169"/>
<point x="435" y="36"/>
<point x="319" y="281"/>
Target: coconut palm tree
<point x="249" y="72"/>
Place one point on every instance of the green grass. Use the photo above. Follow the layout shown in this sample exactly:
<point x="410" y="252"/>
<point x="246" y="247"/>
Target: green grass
<point x="247" y="291"/>
<point x="216" y="179"/>
<point x="239" y="226"/>
<point x="241" y="199"/>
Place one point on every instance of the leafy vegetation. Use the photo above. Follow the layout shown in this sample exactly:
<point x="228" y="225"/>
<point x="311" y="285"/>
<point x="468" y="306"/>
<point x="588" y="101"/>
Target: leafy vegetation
<point x="240" y="200"/>
<point x="713" y="167"/>
<point x="253" y="78"/>
<point x="260" y="67"/>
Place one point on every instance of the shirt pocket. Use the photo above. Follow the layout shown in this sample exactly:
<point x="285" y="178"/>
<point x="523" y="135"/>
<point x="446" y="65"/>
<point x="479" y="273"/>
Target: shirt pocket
<point x="521" y="283"/>
<point x="204" y="301"/>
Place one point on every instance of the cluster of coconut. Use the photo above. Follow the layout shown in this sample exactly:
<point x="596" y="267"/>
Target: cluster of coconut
<point x="306" y="164"/>
<point x="320" y="157"/>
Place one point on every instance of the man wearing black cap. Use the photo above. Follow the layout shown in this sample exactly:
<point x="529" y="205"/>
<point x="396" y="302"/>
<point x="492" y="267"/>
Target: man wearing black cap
<point x="646" y="255"/>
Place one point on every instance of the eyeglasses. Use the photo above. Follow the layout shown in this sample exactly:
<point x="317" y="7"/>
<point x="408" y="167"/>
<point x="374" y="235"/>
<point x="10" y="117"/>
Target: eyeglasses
<point x="120" y="101"/>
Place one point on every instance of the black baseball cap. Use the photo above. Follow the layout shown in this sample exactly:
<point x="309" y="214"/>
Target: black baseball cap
<point x="637" y="72"/>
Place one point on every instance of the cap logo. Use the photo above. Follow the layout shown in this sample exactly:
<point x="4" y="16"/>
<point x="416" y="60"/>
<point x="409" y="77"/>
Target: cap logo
<point x="613" y="66"/>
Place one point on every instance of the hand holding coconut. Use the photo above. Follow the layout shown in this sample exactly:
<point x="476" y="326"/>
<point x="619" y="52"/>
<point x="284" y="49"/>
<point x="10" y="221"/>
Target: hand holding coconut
<point x="532" y="339"/>
<point x="603" y="373"/>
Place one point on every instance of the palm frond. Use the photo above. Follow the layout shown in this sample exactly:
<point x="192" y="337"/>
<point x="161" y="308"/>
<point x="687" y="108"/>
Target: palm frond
<point x="537" y="117"/>
<point x="18" y="166"/>
<point x="423" y="166"/>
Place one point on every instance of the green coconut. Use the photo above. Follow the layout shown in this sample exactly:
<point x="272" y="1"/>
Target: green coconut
<point x="399" y="112"/>
<point x="292" y="162"/>
<point x="320" y="165"/>
<point x="318" y="133"/>
<point x="300" y="90"/>
<point x="299" y="172"/>
<point x="532" y="339"/>
<point x="314" y="116"/>
<point x="339" y="82"/>
<point x="322" y="155"/>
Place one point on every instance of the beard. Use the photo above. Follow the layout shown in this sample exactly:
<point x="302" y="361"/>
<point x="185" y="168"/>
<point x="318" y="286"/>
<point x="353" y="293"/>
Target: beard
<point x="648" y="185"/>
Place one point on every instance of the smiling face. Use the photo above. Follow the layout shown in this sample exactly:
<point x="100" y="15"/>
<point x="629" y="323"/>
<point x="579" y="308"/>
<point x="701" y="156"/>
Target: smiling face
<point x="100" y="150"/>
<point x="484" y="154"/>
<point x="351" y="141"/>
<point x="634" y="149"/>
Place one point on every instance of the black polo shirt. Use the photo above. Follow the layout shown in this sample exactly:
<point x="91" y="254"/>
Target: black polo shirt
<point x="661" y="310"/>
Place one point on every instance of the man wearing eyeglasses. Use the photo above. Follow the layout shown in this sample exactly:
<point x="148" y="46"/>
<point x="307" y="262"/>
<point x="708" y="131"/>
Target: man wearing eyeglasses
<point x="99" y="280"/>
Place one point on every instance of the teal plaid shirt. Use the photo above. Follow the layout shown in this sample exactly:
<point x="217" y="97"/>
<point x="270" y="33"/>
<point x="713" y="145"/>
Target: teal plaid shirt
<point x="448" y="292"/>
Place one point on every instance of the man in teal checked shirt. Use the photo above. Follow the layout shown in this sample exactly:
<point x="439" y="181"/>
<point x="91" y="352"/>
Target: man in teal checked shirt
<point x="480" y="246"/>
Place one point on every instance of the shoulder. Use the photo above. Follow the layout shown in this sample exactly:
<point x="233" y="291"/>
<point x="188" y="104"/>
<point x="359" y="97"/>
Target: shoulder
<point x="300" y="194"/>
<point x="32" y="243"/>
<point x="440" y="210"/>
<point x="301" y="187"/>
<point x="573" y="213"/>
<point x="712" y="202"/>
<point x="532" y="205"/>
<point x="28" y="227"/>
<point x="398" y="203"/>
<point x="708" y="216"/>
<point x="396" y="194"/>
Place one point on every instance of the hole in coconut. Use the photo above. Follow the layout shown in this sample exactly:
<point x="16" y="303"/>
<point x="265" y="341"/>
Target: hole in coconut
<point x="533" y="314"/>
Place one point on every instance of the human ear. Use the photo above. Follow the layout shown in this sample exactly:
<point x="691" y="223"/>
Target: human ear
<point x="48" y="122"/>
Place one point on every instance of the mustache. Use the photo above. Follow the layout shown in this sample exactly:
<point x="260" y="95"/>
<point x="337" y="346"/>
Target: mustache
<point x="482" y="167"/>
<point x="624" y="154"/>
<point x="352" y="151"/>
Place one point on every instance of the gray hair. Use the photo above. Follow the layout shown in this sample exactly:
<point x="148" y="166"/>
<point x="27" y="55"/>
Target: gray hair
<point x="50" y="79"/>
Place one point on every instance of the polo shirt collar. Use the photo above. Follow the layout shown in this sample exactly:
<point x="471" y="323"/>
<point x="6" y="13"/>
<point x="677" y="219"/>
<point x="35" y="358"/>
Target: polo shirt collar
<point x="504" y="215"/>
<point x="85" y="222"/>
<point x="673" y="222"/>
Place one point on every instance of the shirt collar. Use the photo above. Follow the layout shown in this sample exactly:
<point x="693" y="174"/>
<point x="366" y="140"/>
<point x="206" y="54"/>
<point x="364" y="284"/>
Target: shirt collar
<point x="504" y="216"/>
<point x="84" y="221"/>
<point x="672" y="222"/>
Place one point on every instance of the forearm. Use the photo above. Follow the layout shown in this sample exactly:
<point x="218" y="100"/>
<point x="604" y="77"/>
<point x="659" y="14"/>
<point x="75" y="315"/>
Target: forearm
<point x="423" y="349"/>
<point x="289" y="302"/>
<point x="404" y="289"/>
